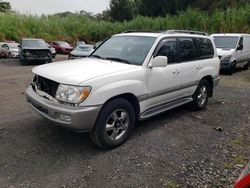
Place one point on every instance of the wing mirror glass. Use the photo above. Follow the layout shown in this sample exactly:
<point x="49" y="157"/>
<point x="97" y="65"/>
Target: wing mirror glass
<point x="240" y="47"/>
<point x="158" y="61"/>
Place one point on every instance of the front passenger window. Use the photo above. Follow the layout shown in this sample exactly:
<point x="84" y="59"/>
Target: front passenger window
<point x="169" y="49"/>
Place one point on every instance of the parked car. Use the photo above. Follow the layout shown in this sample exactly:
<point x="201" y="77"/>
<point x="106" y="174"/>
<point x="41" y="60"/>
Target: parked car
<point x="131" y="76"/>
<point x="233" y="51"/>
<point x="12" y="48"/>
<point x="52" y="50"/>
<point x="4" y="53"/>
<point x="79" y="42"/>
<point x="62" y="47"/>
<point x="97" y="44"/>
<point x="34" y="50"/>
<point x="81" y="51"/>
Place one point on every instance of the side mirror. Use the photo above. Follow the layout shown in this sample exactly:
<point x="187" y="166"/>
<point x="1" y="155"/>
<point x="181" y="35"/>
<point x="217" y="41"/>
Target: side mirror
<point x="158" y="61"/>
<point x="240" y="47"/>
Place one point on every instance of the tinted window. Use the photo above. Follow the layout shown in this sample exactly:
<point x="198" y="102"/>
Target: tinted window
<point x="169" y="49"/>
<point x="34" y="43"/>
<point x="188" y="49"/>
<point x="205" y="48"/>
<point x="241" y="41"/>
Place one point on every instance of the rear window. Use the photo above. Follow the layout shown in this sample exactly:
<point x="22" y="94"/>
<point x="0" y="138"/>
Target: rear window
<point x="205" y="48"/>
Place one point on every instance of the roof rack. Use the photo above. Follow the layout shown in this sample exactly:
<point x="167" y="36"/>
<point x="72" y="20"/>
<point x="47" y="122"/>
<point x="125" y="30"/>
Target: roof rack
<point x="187" y="32"/>
<point x="139" y="31"/>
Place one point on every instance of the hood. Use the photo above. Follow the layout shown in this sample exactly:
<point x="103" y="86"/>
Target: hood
<point x="80" y="53"/>
<point x="224" y="52"/>
<point x="75" y="72"/>
<point x="34" y="48"/>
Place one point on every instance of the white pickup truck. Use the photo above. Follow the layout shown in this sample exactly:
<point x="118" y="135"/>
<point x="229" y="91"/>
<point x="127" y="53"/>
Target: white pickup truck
<point x="131" y="76"/>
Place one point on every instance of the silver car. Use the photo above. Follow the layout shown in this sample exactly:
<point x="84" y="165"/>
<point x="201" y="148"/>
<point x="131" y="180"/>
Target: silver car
<point x="81" y="51"/>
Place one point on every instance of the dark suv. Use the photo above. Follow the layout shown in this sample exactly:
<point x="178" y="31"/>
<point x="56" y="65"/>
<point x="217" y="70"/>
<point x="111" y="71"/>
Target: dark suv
<point x="34" y="50"/>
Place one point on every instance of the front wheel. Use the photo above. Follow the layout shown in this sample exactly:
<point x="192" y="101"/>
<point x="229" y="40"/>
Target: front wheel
<point x="200" y="97"/>
<point x="114" y="124"/>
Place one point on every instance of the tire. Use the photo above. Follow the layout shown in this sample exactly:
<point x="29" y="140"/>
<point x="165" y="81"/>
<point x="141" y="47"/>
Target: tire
<point x="114" y="124"/>
<point x="246" y="67"/>
<point x="201" y="95"/>
<point x="232" y="69"/>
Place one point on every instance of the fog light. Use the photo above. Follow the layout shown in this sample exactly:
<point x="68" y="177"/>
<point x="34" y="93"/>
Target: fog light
<point x="64" y="117"/>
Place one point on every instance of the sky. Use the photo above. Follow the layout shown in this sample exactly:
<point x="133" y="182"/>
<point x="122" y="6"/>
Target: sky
<point x="38" y="7"/>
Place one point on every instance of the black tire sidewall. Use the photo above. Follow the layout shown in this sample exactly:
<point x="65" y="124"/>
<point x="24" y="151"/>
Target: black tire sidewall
<point x="100" y="136"/>
<point x="196" y="105"/>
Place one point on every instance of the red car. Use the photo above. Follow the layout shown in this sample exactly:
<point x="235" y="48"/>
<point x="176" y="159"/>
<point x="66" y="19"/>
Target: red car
<point x="62" y="47"/>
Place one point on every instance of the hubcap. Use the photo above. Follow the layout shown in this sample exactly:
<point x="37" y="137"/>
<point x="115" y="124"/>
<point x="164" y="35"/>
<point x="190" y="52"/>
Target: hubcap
<point x="117" y="124"/>
<point x="202" y="96"/>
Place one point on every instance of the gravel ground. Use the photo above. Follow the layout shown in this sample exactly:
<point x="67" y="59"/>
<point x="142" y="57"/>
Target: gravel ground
<point x="180" y="148"/>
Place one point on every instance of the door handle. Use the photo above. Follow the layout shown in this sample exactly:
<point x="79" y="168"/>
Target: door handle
<point x="198" y="67"/>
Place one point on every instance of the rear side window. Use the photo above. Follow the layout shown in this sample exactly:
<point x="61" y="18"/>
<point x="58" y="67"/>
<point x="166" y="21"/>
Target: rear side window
<point x="205" y="48"/>
<point x="169" y="49"/>
<point x="188" y="50"/>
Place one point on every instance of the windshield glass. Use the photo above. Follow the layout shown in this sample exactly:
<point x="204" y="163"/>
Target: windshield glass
<point x="34" y="43"/>
<point x="65" y="44"/>
<point x="84" y="48"/>
<point x="125" y="49"/>
<point x="13" y="45"/>
<point x="226" y="42"/>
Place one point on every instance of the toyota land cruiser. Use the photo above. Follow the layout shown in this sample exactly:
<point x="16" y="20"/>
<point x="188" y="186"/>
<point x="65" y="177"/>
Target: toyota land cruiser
<point x="131" y="76"/>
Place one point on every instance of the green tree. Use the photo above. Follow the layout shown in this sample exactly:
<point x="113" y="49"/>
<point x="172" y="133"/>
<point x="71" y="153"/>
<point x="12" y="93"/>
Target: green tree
<point x="5" y="6"/>
<point x="121" y="10"/>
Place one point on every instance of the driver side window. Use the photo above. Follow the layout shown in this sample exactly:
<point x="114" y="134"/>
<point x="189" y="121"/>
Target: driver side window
<point x="169" y="49"/>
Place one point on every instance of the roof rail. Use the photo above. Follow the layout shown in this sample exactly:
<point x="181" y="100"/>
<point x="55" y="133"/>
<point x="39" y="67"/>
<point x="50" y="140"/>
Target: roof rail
<point x="187" y="32"/>
<point x="139" y="31"/>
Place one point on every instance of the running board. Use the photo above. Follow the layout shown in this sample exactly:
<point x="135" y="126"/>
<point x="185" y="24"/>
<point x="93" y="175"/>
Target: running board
<point x="164" y="107"/>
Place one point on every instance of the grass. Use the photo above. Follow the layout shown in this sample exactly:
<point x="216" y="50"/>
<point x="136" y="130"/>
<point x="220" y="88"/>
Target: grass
<point x="171" y="184"/>
<point x="14" y="26"/>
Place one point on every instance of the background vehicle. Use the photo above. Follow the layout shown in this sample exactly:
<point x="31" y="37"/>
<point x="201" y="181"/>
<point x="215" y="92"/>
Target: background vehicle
<point x="34" y="50"/>
<point x="52" y="50"/>
<point x="81" y="51"/>
<point x="233" y="51"/>
<point x="131" y="76"/>
<point x="13" y="49"/>
<point x="97" y="44"/>
<point x="4" y="53"/>
<point x="79" y="42"/>
<point x="62" y="47"/>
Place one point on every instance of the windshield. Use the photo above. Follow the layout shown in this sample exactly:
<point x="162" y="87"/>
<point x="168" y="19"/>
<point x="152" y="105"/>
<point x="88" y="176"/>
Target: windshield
<point x="65" y="44"/>
<point x="13" y="45"/>
<point x="125" y="49"/>
<point x="34" y="43"/>
<point x="226" y="42"/>
<point x="84" y="48"/>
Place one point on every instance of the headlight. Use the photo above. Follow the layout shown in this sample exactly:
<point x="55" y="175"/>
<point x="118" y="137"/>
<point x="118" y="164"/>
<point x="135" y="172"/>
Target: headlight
<point x="226" y="58"/>
<point x="72" y="94"/>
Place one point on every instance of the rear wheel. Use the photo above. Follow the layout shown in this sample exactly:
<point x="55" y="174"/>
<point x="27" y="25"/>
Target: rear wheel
<point x="200" y="97"/>
<point x="114" y="124"/>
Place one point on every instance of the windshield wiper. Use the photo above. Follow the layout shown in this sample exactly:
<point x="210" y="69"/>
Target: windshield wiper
<point x="97" y="56"/>
<point x="118" y="59"/>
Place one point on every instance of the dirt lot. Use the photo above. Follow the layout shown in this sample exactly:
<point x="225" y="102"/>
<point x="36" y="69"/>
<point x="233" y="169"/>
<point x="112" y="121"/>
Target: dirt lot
<point x="180" y="148"/>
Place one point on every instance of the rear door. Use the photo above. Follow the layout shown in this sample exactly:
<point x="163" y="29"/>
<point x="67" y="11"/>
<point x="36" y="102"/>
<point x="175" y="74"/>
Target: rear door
<point x="190" y="65"/>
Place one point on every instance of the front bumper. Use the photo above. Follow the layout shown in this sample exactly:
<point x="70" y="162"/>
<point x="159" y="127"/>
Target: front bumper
<point x="81" y="118"/>
<point x="31" y="59"/>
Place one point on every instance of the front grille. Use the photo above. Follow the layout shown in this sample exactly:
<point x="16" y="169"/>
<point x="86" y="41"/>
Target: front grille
<point x="45" y="85"/>
<point x="39" y="53"/>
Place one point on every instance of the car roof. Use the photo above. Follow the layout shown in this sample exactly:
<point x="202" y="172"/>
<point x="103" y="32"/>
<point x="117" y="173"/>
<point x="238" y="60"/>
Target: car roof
<point x="161" y="34"/>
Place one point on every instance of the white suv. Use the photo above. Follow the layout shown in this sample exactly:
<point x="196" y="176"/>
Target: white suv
<point x="131" y="76"/>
